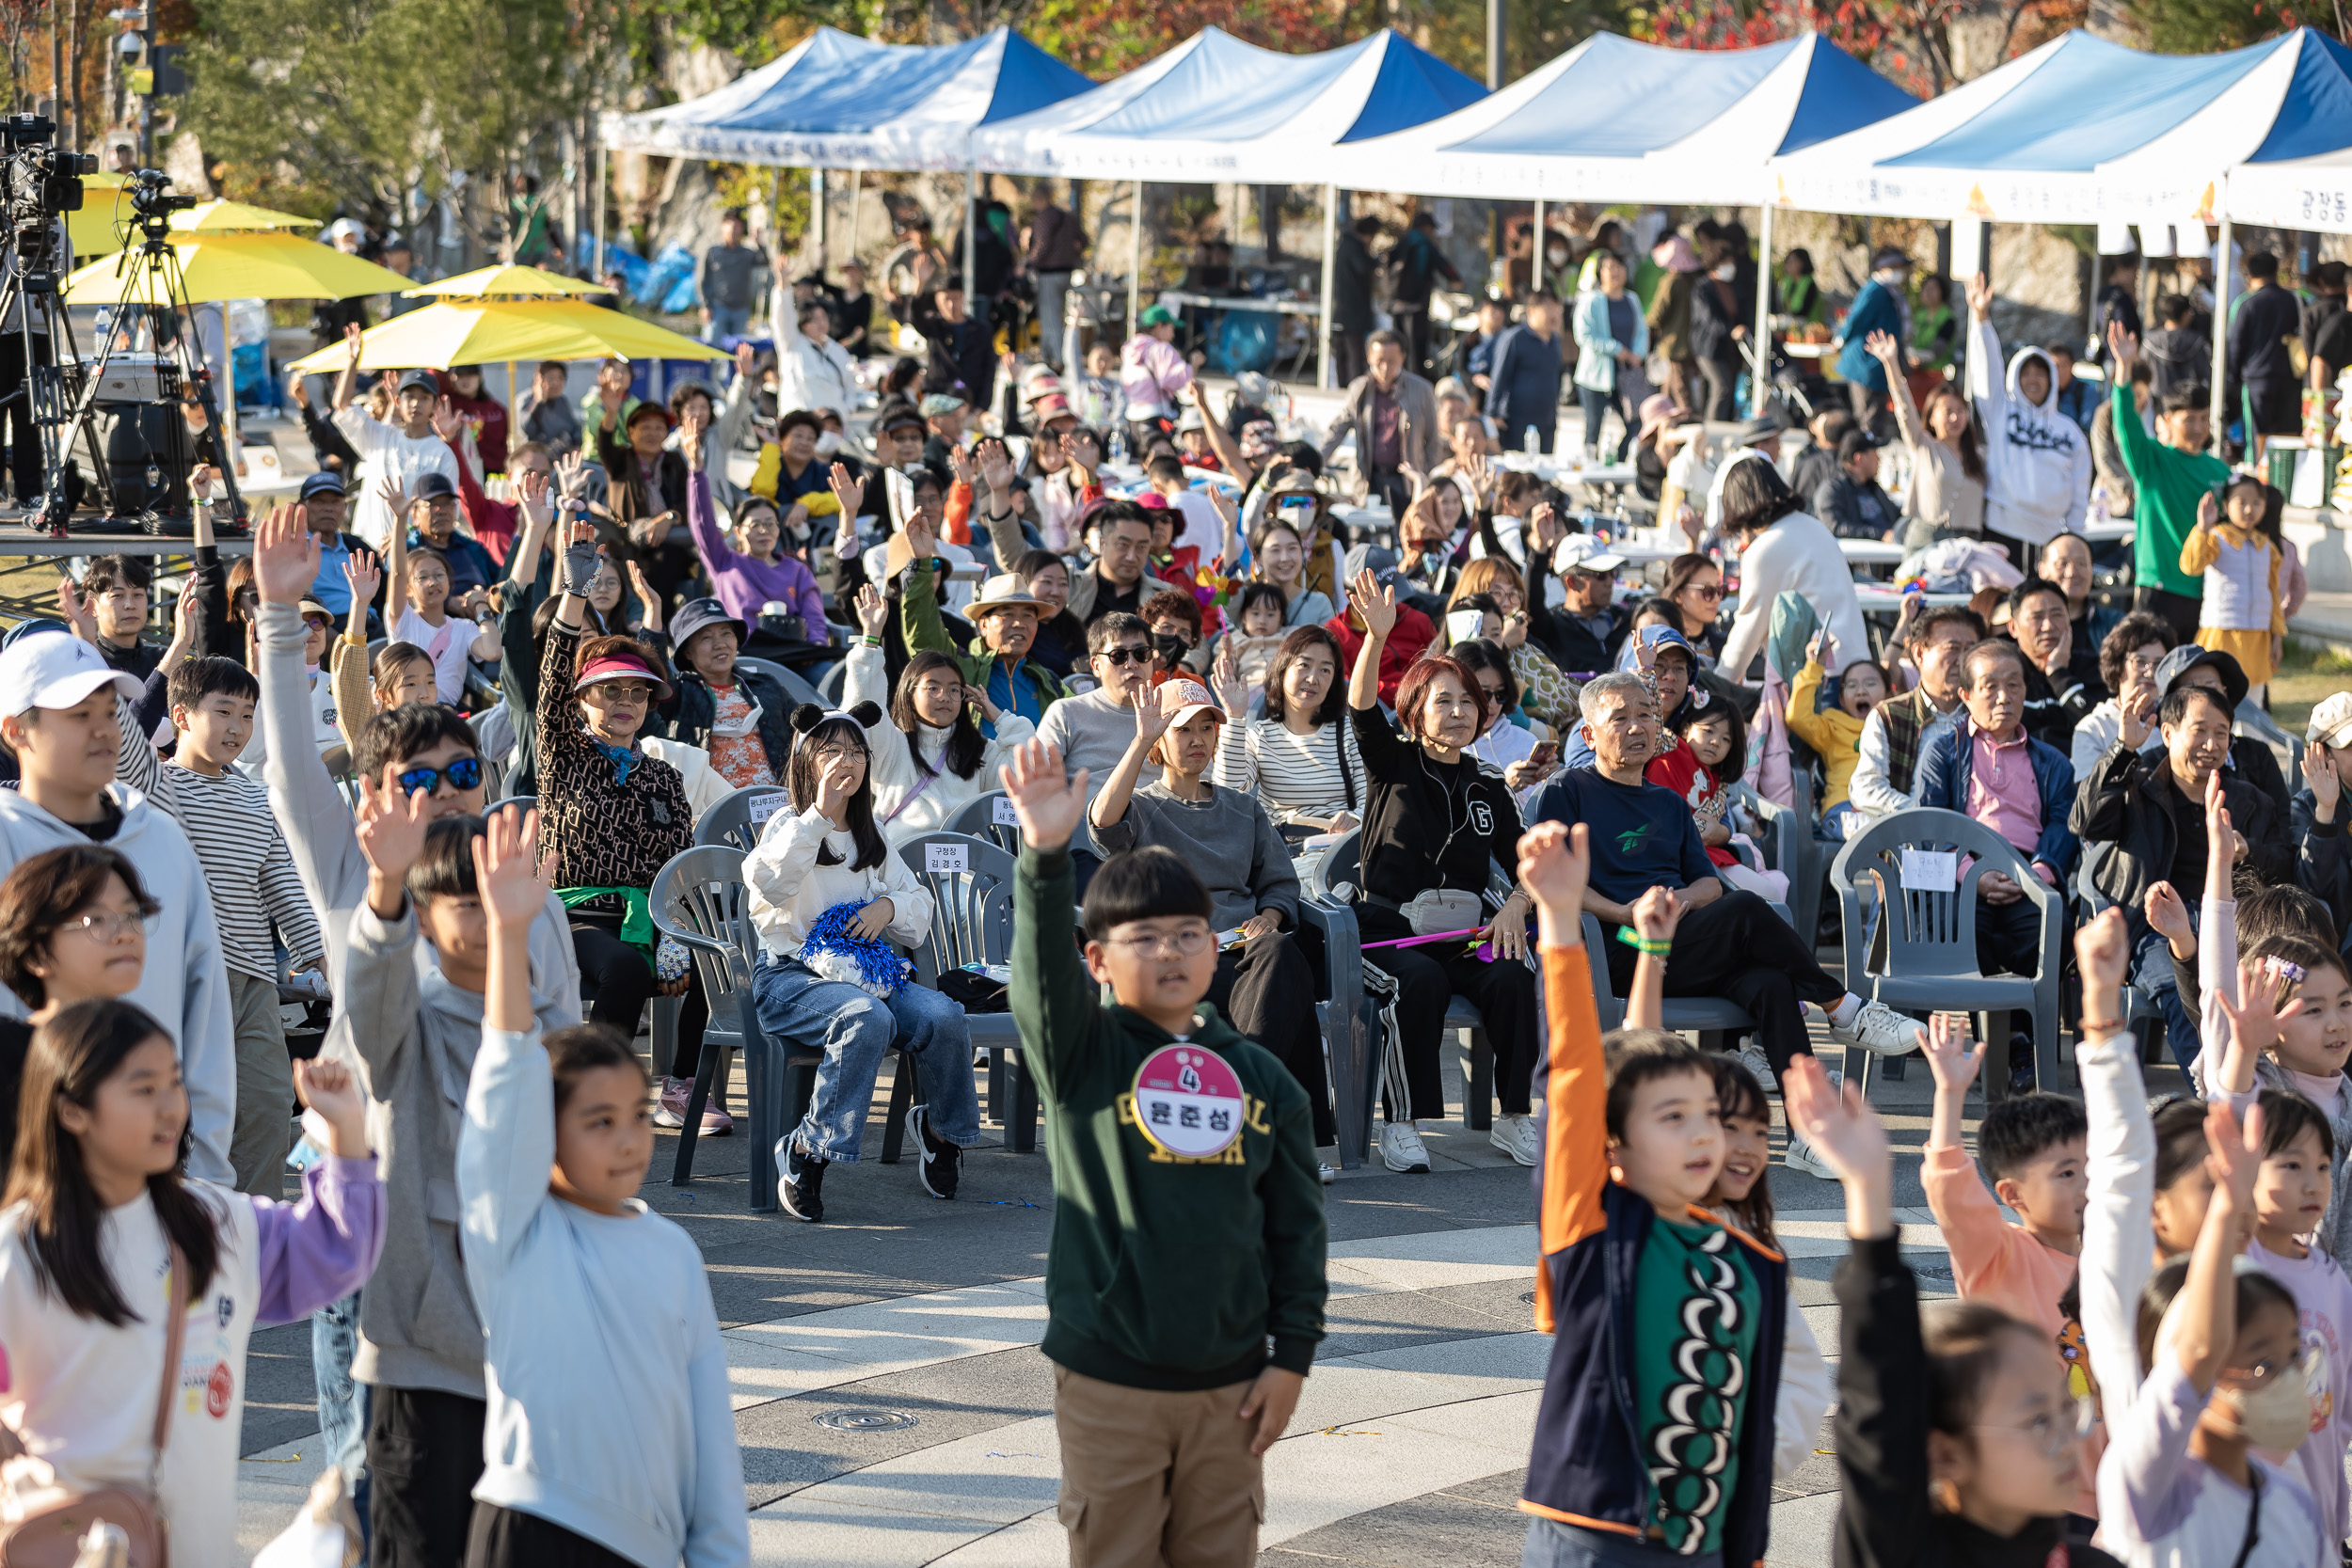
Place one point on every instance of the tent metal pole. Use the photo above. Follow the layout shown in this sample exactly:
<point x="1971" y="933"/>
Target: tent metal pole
<point x="857" y="188"/>
<point x="1760" y="379"/>
<point x="971" y="226"/>
<point x="2222" y="282"/>
<point x="1536" y="235"/>
<point x="514" y="400"/>
<point x="596" y="197"/>
<point x="1135" y="258"/>
<point x="1331" y="258"/>
<point x="817" y="205"/>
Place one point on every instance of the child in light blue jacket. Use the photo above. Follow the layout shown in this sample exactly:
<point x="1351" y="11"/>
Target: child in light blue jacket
<point x="608" y="1424"/>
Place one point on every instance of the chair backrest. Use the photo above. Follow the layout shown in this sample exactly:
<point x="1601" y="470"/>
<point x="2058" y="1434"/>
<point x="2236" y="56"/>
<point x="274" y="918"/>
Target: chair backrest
<point x="971" y="883"/>
<point x="1930" y="929"/>
<point x="981" y="819"/>
<point x="835" y="685"/>
<point x="699" y="900"/>
<point x="2251" y="721"/>
<point x="1341" y="865"/>
<point x="732" y="819"/>
<point x="794" y="687"/>
<point x="521" y="802"/>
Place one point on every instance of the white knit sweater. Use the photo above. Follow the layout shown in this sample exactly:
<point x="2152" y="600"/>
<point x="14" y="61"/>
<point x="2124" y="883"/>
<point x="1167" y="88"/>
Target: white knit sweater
<point x="904" y="805"/>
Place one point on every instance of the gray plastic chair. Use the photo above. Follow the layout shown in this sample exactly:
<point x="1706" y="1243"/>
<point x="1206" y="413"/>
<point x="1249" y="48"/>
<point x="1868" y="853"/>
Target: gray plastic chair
<point x="972" y="922"/>
<point x="729" y="819"/>
<point x="835" y="685"/>
<point x="796" y="689"/>
<point x="1930" y="938"/>
<point x="2251" y="721"/>
<point x="977" y="819"/>
<point x="699" y="900"/>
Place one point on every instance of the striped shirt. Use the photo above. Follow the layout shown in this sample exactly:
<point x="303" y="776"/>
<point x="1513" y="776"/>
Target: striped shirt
<point x="243" y="854"/>
<point x="1293" y="775"/>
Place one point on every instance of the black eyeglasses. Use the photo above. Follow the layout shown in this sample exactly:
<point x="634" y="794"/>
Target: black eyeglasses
<point x="464" y="773"/>
<point x="1126" y="653"/>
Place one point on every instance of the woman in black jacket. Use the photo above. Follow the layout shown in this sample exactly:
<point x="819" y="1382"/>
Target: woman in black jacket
<point x="1717" y="328"/>
<point x="1958" y="1446"/>
<point x="723" y="705"/>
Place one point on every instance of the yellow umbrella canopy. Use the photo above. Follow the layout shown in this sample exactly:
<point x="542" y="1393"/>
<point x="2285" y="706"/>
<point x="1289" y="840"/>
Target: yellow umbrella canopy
<point x="235" y="217"/>
<point x="489" y="331"/>
<point x="235" y="266"/>
<point x="506" y="280"/>
<point x="92" y="224"/>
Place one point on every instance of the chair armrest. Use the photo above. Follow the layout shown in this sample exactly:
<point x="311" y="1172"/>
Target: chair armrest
<point x="1605" y="1003"/>
<point x="726" y="955"/>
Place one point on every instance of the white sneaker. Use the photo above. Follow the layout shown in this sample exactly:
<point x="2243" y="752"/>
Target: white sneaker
<point x="1880" y="1029"/>
<point x="1401" y="1148"/>
<point x="1801" y="1157"/>
<point x="1516" y="1137"/>
<point x="1751" y="1058"/>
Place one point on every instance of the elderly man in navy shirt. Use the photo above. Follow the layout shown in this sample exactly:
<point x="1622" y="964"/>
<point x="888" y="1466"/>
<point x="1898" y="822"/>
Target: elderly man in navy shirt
<point x="1729" y="942"/>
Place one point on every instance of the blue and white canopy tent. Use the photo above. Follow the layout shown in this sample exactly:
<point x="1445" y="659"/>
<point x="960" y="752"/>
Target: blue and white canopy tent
<point x="835" y="100"/>
<point x="2084" y="130"/>
<point x="1215" y="108"/>
<point x="1614" y="119"/>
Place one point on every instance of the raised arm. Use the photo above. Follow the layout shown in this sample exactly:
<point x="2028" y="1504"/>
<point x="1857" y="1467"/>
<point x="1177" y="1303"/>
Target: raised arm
<point x="1154" y="711"/>
<point x="1220" y="440"/>
<point x="2122" y="1153"/>
<point x="507" y="1144"/>
<point x="1554" y="862"/>
<point x="325" y="1245"/>
<point x="1376" y="606"/>
<point x="1884" y="348"/>
<point x="1054" y="1000"/>
<point x="1988" y="384"/>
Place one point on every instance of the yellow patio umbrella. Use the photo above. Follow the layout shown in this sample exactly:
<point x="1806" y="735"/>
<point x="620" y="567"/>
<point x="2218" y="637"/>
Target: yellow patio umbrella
<point x="235" y="217"/>
<point x="508" y="279"/>
<point x="268" y="265"/>
<point x="489" y="331"/>
<point x="91" y="226"/>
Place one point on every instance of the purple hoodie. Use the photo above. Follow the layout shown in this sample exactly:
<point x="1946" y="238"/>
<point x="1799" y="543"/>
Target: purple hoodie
<point x="742" y="583"/>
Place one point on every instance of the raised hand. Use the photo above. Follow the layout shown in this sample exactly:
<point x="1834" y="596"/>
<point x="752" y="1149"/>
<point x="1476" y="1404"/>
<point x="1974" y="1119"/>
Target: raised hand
<point x="2255" y="1018"/>
<point x="849" y="491"/>
<point x="1232" y="686"/>
<point x="571" y="474"/>
<point x="507" y="874"/>
<point x="1049" y="806"/>
<point x="1070" y="450"/>
<point x="646" y="596"/>
<point x="744" y="359"/>
<point x="533" y="491"/>
<point x="298" y="389"/>
<point x="354" y="341"/>
<point x="873" y="611"/>
<point x="1980" y="297"/>
<point x="390" y="826"/>
<point x="689" y="433"/>
<point x="2233" y="1155"/>
<point x="1155" y="714"/>
<point x="446" y="424"/>
<point x="2320" y="776"/>
<point x="1842" y="1128"/>
<point x="1374" y="603"/>
<point x="1883" y="347"/>
<point x="75" y="612"/>
<point x="922" y="537"/>
<point x="200" y="481"/>
<point x="1656" y="914"/>
<point x="995" y="467"/>
<point x="1950" y="1059"/>
<point x="2124" y="345"/>
<point x="285" y="556"/>
<point x="1555" y="863"/>
<point x="396" y="498"/>
<point x="364" y="576"/>
<point x="2168" y="917"/>
<point x="960" y="461"/>
<point x="332" y="1089"/>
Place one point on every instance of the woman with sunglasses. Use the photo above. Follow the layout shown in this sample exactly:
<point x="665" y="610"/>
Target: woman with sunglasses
<point x="72" y="929"/>
<point x="612" y="815"/>
<point x="1696" y="584"/>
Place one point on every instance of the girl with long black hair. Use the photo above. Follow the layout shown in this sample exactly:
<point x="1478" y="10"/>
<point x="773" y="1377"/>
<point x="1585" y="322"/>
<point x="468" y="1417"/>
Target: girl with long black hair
<point x="124" y="1281"/>
<point x="830" y="897"/>
<point x="930" y="759"/>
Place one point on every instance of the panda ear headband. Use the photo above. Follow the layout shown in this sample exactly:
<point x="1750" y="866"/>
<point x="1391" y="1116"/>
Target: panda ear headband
<point x="807" y="717"/>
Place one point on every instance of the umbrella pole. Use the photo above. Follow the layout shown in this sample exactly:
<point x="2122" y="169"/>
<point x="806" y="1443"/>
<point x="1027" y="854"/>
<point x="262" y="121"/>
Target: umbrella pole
<point x="971" y="224"/>
<point x="1135" y="258"/>
<point x="514" y="409"/>
<point x="232" y="451"/>
<point x="857" y="187"/>
<point x="1330" y="256"/>
<point x="1538" y="275"/>
<point x="599" y="264"/>
<point x="1759" y="382"/>
<point x="2222" y="280"/>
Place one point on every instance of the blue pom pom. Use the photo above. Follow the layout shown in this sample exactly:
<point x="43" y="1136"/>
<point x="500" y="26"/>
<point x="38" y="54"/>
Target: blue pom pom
<point x="835" y="952"/>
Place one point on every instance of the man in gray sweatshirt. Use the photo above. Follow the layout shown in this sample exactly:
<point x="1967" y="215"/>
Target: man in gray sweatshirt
<point x="1093" y="730"/>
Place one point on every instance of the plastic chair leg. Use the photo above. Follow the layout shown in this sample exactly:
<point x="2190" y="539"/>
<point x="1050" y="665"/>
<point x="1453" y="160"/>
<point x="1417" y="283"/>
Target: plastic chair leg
<point x="663" y="1016"/>
<point x="1020" y="1103"/>
<point x="684" y="1172"/>
<point x="902" y="1101"/>
<point x="761" y="1088"/>
<point x="1478" y="1096"/>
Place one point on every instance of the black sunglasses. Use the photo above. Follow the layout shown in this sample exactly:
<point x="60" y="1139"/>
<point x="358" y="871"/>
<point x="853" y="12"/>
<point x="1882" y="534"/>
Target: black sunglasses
<point x="464" y="773"/>
<point x="1126" y="653"/>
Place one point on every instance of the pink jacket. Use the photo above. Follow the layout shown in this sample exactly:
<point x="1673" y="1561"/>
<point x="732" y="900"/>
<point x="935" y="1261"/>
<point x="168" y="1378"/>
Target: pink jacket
<point x="1151" y="374"/>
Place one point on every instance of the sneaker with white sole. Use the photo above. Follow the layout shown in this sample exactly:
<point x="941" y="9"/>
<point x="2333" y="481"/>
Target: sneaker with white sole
<point x="1401" y="1148"/>
<point x="1751" y="1058"/>
<point x="1326" y="1172"/>
<point x="716" y="1122"/>
<point x="800" y="1181"/>
<point x="941" y="1163"/>
<point x="1516" y="1137"/>
<point x="1800" y="1156"/>
<point x="671" y="1110"/>
<point x="1881" y="1030"/>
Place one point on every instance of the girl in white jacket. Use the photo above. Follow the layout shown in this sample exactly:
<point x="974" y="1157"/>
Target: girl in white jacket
<point x="825" y="888"/>
<point x="2037" y="460"/>
<point x="103" y="1234"/>
<point x="930" y="757"/>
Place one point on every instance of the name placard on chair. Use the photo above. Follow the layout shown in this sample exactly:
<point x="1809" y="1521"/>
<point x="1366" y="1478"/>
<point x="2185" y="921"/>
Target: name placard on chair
<point x="946" y="857"/>
<point x="1930" y="870"/>
<point x="1002" y="813"/>
<point x="766" y="806"/>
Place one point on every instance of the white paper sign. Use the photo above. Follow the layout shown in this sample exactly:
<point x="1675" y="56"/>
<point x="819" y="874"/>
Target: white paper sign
<point x="1002" y="814"/>
<point x="1930" y="870"/>
<point x="946" y="857"/>
<point x="766" y="806"/>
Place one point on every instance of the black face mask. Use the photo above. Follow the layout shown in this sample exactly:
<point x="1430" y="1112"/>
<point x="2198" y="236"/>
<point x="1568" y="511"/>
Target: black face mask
<point x="1170" y="649"/>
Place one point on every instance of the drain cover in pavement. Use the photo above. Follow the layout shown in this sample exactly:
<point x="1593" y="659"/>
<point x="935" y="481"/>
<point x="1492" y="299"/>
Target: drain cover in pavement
<point x="865" y="1421"/>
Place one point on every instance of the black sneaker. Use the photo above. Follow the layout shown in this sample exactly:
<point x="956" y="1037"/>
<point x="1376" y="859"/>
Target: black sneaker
<point x="799" y="1181"/>
<point x="942" y="1165"/>
<point x="2021" y="1070"/>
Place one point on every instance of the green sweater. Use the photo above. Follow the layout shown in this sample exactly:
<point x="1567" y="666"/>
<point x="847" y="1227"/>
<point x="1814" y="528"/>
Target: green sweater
<point x="926" y="631"/>
<point x="1164" y="1272"/>
<point x="2171" y="483"/>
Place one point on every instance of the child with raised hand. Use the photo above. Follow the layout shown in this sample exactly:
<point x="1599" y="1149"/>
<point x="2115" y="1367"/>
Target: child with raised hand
<point x="1961" y="1445"/>
<point x="105" y="1238"/>
<point x="1643" y="1289"/>
<point x="569" y="1268"/>
<point x="1184" y="1248"/>
<point x="2295" y="1037"/>
<point x="2180" y="1482"/>
<point x="1835" y="732"/>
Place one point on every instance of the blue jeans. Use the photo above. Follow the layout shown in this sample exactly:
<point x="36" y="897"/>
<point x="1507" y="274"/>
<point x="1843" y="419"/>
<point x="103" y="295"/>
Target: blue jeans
<point x="1598" y="404"/>
<point x="855" y="1029"/>
<point x="2151" y="974"/>
<point x="1553" y="1545"/>
<point x="728" y="321"/>
<point x="342" y="1403"/>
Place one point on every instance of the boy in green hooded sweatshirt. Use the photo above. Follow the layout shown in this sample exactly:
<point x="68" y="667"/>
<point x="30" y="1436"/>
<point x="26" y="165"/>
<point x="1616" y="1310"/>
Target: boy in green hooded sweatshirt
<point x="2172" y="477"/>
<point x="1189" y="1225"/>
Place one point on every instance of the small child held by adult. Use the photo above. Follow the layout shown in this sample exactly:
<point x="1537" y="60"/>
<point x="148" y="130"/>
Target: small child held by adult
<point x="557" y="1138"/>
<point x="1166" y="1395"/>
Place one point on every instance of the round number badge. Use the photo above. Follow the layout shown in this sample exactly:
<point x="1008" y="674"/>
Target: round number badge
<point x="1188" y="1101"/>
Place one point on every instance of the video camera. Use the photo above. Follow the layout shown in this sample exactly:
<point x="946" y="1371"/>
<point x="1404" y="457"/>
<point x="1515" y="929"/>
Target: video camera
<point x="39" y="183"/>
<point x="152" y="205"/>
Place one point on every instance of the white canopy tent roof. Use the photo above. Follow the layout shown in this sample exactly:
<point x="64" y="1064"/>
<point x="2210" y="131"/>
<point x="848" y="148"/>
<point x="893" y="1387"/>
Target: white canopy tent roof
<point x="1215" y="108"/>
<point x="1614" y="119"/>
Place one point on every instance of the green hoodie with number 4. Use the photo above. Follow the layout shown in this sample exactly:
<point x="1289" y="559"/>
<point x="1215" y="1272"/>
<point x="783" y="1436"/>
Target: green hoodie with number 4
<point x="1164" y="1272"/>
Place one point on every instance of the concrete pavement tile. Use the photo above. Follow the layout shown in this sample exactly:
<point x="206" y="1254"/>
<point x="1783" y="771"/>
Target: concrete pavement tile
<point x="1473" y="1521"/>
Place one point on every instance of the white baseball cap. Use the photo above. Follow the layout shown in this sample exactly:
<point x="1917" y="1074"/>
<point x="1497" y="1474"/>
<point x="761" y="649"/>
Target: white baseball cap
<point x="2331" y="721"/>
<point x="1581" y="552"/>
<point x="56" y="669"/>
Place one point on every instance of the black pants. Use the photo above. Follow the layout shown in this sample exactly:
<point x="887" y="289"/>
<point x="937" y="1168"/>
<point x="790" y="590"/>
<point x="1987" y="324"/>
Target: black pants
<point x="16" y="414"/>
<point x="1393" y="485"/>
<point x="1347" y="355"/>
<point x="2180" y="611"/>
<point x="1412" y="322"/>
<point x="1737" y="949"/>
<point x="1723" y="380"/>
<point x="1266" y="990"/>
<point x="424" y="1455"/>
<point x="501" y="1538"/>
<point x="1430" y="976"/>
<point x="2008" y="940"/>
<point x="623" y="982"/>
